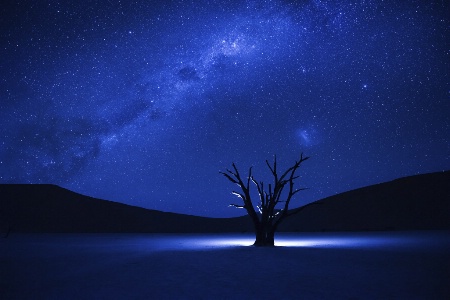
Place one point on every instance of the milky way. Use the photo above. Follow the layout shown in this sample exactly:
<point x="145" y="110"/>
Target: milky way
<point x="145" y="102"/>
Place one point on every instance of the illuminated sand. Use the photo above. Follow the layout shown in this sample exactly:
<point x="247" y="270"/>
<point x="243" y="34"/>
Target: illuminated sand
<point x="414" y="265"/>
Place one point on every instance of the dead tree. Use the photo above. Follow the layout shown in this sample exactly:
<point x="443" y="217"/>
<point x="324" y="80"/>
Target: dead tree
<point x="269" y="216"/>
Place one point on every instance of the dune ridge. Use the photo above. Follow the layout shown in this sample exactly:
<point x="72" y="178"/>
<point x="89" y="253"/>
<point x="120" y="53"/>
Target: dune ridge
<point x="420" y="202"/>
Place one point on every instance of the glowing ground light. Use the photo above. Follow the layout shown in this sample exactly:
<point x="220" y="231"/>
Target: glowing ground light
<point x="333" y="241"/>
<point x="306" y="240"/>
<point x="320" y="241"/>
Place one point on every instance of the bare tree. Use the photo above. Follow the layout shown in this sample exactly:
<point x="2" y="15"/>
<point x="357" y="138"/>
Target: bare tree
<point x="270" y="216"/>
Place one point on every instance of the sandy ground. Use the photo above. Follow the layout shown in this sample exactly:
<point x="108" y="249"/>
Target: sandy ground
<point x="411" y="265"/>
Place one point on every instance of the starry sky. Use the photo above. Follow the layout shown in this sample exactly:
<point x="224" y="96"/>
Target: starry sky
<point x="144" y="102"/>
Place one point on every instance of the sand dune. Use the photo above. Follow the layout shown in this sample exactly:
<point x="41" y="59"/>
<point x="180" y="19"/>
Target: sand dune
<point x="49" y="208"/>
<point x="419" y="202"/>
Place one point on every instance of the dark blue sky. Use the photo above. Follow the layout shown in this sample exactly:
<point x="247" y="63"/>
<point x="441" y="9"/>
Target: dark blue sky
<point x="144" y="102"/>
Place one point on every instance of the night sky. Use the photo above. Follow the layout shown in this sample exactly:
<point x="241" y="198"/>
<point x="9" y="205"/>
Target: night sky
<point x="144" y="102"/>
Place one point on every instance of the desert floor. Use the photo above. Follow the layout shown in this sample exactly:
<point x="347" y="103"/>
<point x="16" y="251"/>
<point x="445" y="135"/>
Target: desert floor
<point x="377" y="265"/>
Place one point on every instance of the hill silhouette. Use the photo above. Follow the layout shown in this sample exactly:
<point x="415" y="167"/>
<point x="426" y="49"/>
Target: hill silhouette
<point x="420" y="202"/>
<point x="50" y="208"/>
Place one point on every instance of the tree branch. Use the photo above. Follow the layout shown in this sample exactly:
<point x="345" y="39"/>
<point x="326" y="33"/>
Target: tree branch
<point x="237" y="205"/>
<point x="229" y="177"/>
<point x="239" y="195"/>
<point x="236" y="178"/>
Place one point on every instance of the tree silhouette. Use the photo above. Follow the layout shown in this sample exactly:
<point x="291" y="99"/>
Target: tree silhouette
<point x="269" y="217"/>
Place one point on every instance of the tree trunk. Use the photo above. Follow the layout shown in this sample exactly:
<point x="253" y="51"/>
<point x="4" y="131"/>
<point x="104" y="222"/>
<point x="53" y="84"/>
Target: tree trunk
<point x="265" y="236"/>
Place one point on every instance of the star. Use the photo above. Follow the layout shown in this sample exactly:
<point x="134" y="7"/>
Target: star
<point x="155" y="99"/>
